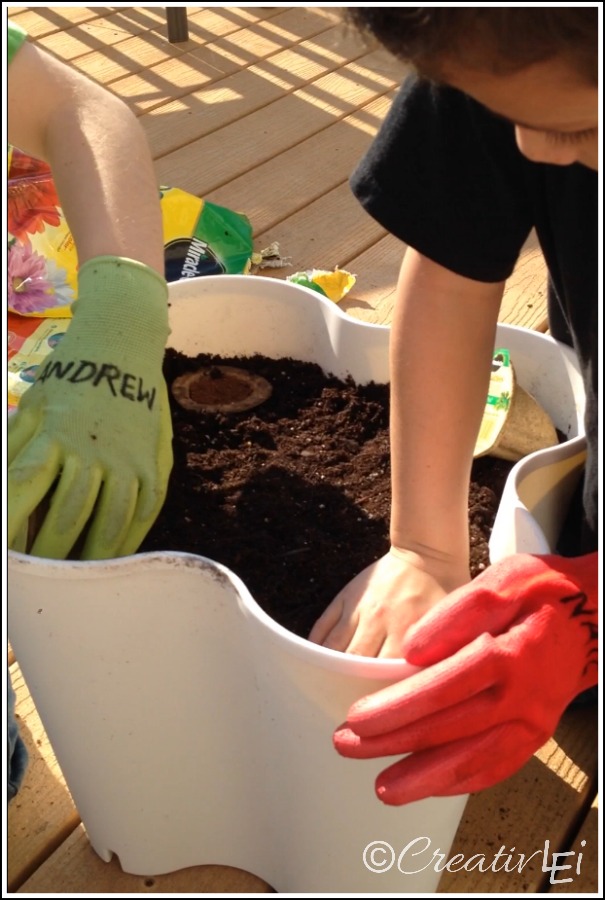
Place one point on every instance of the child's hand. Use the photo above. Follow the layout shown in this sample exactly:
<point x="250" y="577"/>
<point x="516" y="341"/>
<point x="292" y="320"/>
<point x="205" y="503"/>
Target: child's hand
<point x="504" y="656"/>
<point x="94" y="430"/>
<point x="371" y="615"/>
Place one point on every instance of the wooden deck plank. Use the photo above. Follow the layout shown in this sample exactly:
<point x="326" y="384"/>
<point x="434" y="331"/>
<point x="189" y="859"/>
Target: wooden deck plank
<point x="228" y="99"/>
<point x="46" y="20"/>
<point x="75" y="869"/>
<point x="330" y="232"/>
<point x="541" y="802"/>
<point x="377" y="266"/>
<point x="120" y="27"/>
<point x="245" y="47"/>
<point x="525" y="296"/>
<point x="171" y="79"/>
<point x="377" y="270"/>
<point x="126" y="57"/>
<point x="584" y="873"/>
<point x="42" y="815"/>
<point x="219" y="157"/>
<point x="211" y="22"/>
<point x="289" y="182"/>
<point x="147" y="51"/>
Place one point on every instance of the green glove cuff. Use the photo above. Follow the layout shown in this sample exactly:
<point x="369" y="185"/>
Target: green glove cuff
<point x="124" y="300"/>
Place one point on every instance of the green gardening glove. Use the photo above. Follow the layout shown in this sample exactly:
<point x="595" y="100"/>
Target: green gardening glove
<point x="95" y="426"/>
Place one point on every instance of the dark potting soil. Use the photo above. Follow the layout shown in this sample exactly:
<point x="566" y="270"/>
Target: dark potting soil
<point x="293" y="495"/>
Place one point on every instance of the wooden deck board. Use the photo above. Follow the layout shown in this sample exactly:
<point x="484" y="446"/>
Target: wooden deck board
<point x="174" y="79"/>
<point x="100" y="34"/>
<point x="289" y="184"/>
<point x="376" y="270"/>
<point x="224" y="100"/>
<point x="584" y="872"/>
<point x="329" y="232"/>
<point x="541" y="802"/>
<point x="75" y="869"/>
<point x="42" y="815"/>
<point x="252" y="140"/>
<point x="525" y="298"/>
<point x="148" y="57"/>
<point x="38" y="24"/>
<point x="266" y="110"/>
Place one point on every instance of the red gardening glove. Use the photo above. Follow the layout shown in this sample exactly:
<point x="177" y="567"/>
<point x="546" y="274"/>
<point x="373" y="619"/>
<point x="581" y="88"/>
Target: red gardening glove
<point x="506" y="654"/>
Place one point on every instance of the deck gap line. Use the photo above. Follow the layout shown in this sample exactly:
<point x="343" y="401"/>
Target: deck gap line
<point x="54" y="29"/>
<point x="262" y="162"/>
<point x="337" y="118"/>
<point x="112" y="81"/>
<point x="309" y="198"/>
<point x="46" y="852"/>
<point x="159" y="156"/>
<point x="177" y="95"/>
<point x="158" y="30"/>
<point x="90" y="50"/>
<point x="179" y="50"/>
<point x="293" y="212"/>
<point x="373" y="243"/>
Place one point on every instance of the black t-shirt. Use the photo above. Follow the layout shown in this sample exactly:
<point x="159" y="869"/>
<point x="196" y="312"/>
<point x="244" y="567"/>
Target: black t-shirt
<point x="445" y="176"/>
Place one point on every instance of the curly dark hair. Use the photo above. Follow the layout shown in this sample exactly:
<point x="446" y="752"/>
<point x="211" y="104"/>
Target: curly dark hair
<point x="500" y="40"/>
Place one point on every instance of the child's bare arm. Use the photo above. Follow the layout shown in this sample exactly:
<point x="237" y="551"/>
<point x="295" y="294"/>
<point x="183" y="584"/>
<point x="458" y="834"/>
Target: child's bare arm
<point x="98" y="153"/>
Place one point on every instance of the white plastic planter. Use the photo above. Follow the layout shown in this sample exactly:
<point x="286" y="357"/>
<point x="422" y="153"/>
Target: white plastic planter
<point x="190" y="727"/>
<point x="538" y="490"/>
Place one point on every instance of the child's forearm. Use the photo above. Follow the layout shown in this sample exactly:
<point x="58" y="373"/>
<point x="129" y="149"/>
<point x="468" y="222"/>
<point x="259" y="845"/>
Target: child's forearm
<point x="441" y="348"/>
<point x="98" y="153"/>
<point x="106" y="183"/>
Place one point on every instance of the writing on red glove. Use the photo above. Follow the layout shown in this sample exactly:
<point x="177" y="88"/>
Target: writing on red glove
<point x="502" y="657"/>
